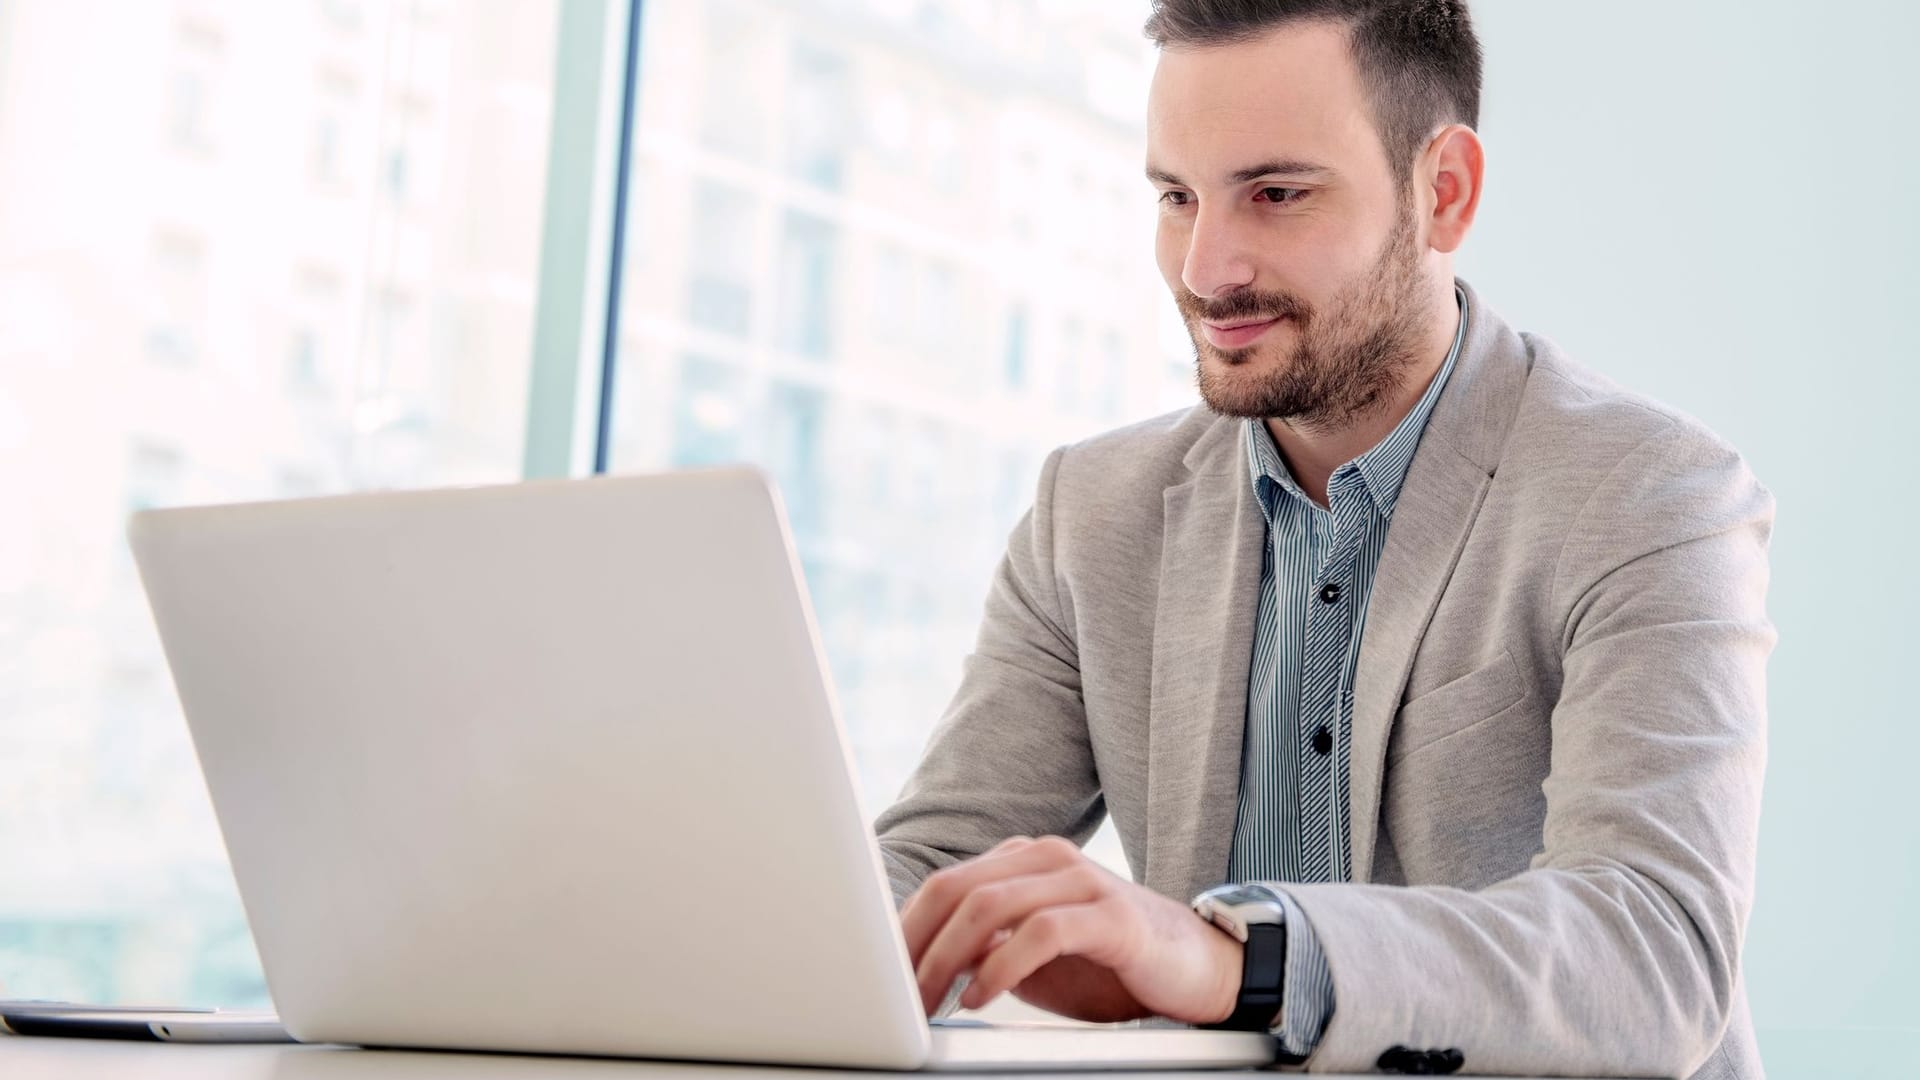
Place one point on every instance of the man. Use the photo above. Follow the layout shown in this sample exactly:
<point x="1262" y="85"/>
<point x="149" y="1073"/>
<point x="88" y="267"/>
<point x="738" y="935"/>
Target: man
<point x="1451" y="647"/>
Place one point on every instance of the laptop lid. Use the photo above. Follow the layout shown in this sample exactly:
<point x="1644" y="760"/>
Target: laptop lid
<point x="543" y="767"/>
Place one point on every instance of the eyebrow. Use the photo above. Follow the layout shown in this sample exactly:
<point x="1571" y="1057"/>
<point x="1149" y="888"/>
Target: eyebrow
<point x="1275" y="167"/>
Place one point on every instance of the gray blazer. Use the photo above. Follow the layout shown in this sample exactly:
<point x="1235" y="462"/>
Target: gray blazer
<point x="1559" y="717"/>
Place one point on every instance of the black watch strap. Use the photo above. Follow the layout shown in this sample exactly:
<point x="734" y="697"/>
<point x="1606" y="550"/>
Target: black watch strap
<point x="1262" y="979"/>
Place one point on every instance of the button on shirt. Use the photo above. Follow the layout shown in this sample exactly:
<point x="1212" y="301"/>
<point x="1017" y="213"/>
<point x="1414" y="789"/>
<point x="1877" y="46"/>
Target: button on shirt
<point x="1315" y="577"/>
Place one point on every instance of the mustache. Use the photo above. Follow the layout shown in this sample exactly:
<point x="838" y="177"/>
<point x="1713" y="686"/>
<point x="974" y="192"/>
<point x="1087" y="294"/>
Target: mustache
<point x="1241" y="305"/>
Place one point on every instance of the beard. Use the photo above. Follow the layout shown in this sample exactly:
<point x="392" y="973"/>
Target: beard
<point x="1349" y="357"/>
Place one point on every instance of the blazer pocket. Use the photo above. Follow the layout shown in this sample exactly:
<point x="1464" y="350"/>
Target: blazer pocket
<point x="1452" y="708"/>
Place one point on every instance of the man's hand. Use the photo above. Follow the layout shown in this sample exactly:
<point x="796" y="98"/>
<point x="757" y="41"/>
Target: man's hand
<point x="1039" y="918"/>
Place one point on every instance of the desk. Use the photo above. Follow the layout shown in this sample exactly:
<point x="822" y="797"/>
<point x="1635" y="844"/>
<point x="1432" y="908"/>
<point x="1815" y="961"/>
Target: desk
<point x="23" y="1058"/>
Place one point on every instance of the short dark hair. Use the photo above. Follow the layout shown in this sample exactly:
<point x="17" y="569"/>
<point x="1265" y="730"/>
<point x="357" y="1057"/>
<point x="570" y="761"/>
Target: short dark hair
<point x="1419" y="59"/>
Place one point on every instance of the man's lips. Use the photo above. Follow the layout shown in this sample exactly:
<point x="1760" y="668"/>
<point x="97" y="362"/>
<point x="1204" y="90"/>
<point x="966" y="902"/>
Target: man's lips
<point x="1239" y="334"/>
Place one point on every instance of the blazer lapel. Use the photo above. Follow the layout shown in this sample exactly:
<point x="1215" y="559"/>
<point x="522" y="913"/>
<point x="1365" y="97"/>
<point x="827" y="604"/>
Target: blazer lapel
<point x="1445" y="485"/>
<point x="1202" y="647"/>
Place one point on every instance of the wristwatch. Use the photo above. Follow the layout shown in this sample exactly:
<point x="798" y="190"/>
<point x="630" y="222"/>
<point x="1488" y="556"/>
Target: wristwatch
<point x="1254" y="916"/>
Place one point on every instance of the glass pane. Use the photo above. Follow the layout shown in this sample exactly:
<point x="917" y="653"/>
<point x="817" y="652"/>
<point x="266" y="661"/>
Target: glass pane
<point x="256" y="250"/>
<point x="896" y="257"/>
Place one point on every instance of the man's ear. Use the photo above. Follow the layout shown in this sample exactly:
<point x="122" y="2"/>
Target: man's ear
<point x="1452" y="170"/>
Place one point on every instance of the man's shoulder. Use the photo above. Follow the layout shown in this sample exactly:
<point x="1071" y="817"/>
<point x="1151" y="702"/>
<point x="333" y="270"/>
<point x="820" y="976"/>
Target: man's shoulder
<point x="1574" y="418"/>
<point x="1611" y="470"/>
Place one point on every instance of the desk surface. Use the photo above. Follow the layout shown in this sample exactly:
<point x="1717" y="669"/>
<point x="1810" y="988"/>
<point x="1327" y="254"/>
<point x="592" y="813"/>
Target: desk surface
<point x="23" y="1058"/>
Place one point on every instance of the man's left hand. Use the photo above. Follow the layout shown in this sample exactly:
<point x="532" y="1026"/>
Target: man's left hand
<point x="1040" y="919"/>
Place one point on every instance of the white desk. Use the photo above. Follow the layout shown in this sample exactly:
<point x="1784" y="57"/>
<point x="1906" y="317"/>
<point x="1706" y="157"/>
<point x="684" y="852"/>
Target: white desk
<point x="23" y="1058"/>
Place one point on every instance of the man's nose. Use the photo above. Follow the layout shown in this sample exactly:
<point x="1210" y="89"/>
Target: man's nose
<point x="1219" y="258"/>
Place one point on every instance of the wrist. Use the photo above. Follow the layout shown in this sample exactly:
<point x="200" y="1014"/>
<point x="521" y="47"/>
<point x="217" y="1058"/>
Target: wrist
<point x="1228" y="965"/>
<point x="1253" y="920"/>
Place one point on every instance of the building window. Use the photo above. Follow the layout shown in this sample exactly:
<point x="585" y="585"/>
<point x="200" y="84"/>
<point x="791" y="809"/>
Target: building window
<point x="821" y="103"/>
<point x="196" y="60"/>
<point x="736" y="86"/>
<point x="318" y="314"/>
<point x="396" y="173"/>
<point x="336" y="97"/>
<point x="794" y="418"/>
<point x="721" y="259"/>
<point x="154" y="472"/>
<point x="1014" y="367"/>
<point x="710" y="412"/>
<point x="303" y="359"/>
<point x="807" y="279"/>
<point x="902" y="296"/>
<point x="196" y="338"/>
<point x="178" y="298"/>
<point x="391" y="350"/>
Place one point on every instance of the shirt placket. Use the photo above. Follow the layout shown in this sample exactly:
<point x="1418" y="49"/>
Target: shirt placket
<point x="1323" y="679"/>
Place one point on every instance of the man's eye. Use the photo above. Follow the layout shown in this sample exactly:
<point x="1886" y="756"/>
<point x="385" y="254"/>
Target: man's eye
<point x="1174" y="198"/>
<point x="1282" y="194"/>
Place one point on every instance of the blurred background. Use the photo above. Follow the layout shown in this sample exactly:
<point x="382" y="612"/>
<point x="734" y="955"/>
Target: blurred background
<point x="895" y="251"/>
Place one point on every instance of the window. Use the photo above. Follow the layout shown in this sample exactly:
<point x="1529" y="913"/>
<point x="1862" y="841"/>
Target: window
<point x="179" y="298"/>
<point x="944" y="340"/>
<point x="733" y="64"/>
<point x="315" y="328"/>
<point x="202" y="345"/>
<point x="343" y="15"/>
<point x="1069" y="366"/>
<point x="191" y="86"/>
<point x="409" y="163"/>
<point x="710" y="412"/>
<point x="894" y="288"/>
<point x="1015" y="370"/>
<point x="330" y="282"/>
<point x="720" y="264"/>
<point x="820" y="110"/>
<point x="910" y="373"/>
<point x="393" y="345"/>
<point x="806" y="284"/>
<point x="336" y="103"/>
<point x="153" y="474"/>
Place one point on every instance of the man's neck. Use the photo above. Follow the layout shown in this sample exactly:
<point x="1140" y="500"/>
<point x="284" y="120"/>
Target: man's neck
<point x="1311" y="454"/>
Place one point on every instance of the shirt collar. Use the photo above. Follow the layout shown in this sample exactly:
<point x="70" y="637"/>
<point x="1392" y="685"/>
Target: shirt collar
<point x="1380" y="471"/>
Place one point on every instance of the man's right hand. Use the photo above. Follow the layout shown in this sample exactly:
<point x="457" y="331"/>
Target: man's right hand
<point x="1040" y="919"/>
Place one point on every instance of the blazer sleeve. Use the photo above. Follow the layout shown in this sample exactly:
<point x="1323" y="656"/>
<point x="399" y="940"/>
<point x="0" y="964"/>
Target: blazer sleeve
<point x="1617" y="951"/>
<point x="1010" y="756"/>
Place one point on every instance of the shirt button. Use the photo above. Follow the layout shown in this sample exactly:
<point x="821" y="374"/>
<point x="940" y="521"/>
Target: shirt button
<point x="1323" y="740"/>
<point x="1330" y="593"/>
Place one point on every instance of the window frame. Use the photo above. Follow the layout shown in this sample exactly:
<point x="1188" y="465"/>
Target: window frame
<point x="582" y="234"/>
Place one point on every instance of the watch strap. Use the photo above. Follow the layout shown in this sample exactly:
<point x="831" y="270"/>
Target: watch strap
<point x="1262" y="980"/>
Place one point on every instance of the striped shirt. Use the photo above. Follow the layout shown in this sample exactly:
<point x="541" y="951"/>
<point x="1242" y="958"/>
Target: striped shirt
<point x="1315" y="578"/>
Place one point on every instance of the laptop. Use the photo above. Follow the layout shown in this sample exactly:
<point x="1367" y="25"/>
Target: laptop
<point x="555" y="767"/>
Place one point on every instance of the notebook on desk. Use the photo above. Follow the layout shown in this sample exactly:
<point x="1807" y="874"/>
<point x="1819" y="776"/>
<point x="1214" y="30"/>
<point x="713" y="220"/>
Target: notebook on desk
<point x="556" y="767"/>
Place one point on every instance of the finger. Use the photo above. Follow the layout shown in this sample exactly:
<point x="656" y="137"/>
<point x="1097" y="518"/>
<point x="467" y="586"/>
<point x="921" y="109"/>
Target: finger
<point x="1068" y="930"/>
<point x="917" y="902"/>
<point x="920" y="896"/>
<point x="997" y="905"/>
<point x="929" y="908"/>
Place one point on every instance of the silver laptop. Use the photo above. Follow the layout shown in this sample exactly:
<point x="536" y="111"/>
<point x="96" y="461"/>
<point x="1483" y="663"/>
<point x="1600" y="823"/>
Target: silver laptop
<point x="555" y="767"/>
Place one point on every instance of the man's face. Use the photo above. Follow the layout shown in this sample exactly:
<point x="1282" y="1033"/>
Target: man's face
<point x="1291" y="250"/>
